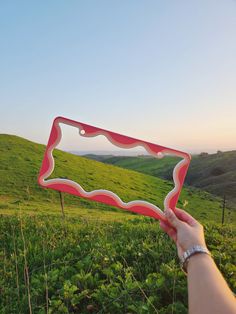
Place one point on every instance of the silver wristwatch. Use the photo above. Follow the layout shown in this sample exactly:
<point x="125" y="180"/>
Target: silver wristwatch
<point x="190" y="252"/>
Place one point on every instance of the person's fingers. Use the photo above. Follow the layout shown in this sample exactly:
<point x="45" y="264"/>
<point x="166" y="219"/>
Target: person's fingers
<point x="172" y="234"/>
<point x="184" y="216"/>
<point x="169" y="230"/>
<point x="172" y="219"/>
<point x="164" y="226"/>
<point x="166" y="222"/>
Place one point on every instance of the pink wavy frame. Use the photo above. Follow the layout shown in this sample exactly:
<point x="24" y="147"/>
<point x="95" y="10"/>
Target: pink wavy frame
<point x="105" y="196"/>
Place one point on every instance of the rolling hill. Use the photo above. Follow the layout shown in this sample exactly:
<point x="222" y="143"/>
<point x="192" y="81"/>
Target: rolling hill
<point x="20" y="161"/>
<point x="95" y="259"/>
<point x="215" y="173"/>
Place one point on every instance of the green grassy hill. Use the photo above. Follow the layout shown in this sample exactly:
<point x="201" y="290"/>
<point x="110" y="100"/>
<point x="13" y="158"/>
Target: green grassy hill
<point x="97" y="259"/>
<point x="144" y="164"/>
<point x="20" y="161"/>
<point x="215" y="173"/>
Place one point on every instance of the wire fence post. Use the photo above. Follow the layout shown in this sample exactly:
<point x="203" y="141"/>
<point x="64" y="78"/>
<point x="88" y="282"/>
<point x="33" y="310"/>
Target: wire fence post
<point x="223" y="210"/>
<point x="62" y="204"/>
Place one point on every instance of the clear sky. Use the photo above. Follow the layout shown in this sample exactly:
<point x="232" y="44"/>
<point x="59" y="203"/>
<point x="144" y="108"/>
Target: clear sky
<point x="162" y="71"/>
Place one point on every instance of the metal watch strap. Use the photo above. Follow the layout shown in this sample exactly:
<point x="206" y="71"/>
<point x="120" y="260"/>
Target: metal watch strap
<point x="190" y="252"/>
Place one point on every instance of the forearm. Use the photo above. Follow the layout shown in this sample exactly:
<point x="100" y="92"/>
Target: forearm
<point x="207" y="290"/>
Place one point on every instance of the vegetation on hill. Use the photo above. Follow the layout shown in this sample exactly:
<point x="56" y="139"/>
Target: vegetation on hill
<point x="21" y="159"/>
<point x="96" y="259"/>
<point x="215" y="173"/>
<point x="79" y="266"/>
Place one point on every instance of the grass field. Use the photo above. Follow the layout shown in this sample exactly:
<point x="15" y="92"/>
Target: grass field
<point x="97" y="259"/>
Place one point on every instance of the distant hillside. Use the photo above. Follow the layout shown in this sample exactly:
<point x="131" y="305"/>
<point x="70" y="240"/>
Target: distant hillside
<point x="20" y="161"/>
<point x="215" y="173"/>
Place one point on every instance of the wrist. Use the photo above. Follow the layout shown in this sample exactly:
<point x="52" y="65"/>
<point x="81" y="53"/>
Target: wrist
<point x="190" y="253"/>
<point x="198" y="260"/>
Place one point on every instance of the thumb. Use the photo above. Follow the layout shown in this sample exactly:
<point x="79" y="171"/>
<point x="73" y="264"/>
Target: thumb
<point x="172" y="219"/>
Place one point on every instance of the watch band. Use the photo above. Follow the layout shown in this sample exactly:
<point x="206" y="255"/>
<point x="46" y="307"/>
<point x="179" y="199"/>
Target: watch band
<point x="190" y="252"/>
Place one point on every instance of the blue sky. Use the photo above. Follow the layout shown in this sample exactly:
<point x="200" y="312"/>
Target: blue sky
<point x="162" y="71"/>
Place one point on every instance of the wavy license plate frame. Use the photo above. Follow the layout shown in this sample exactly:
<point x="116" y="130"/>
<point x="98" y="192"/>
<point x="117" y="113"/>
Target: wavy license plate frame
<point x="106" y="196"/>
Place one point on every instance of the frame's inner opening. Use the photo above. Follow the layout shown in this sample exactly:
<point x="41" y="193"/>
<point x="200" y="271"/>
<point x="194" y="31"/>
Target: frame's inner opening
<point x="96" y="163"/>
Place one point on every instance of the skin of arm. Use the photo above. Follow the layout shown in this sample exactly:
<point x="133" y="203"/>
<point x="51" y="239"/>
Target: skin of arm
<point x="208" y="292"/>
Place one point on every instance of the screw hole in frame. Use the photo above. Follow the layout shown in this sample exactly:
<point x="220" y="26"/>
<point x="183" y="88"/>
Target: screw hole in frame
<point x="160" y="155"/>
<point x="82" y="132"/>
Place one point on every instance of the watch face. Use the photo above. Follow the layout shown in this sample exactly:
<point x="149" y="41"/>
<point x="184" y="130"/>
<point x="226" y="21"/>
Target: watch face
<point x="151" y="207"/>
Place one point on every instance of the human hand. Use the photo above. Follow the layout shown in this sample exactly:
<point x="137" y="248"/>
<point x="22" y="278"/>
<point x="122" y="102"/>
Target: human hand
<point x="183" y="229"/>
